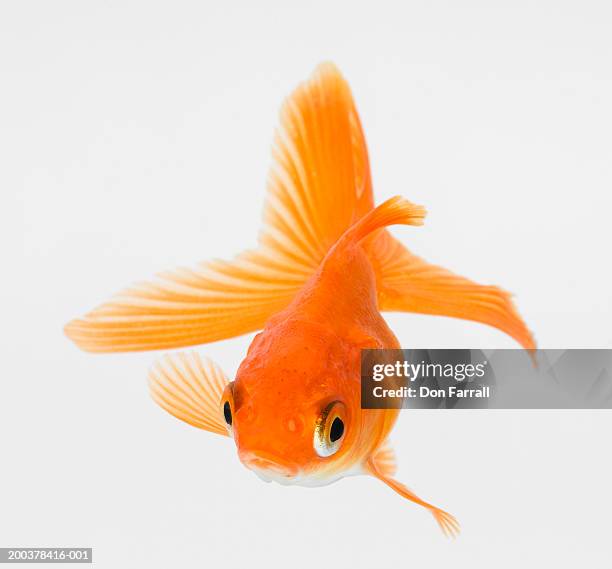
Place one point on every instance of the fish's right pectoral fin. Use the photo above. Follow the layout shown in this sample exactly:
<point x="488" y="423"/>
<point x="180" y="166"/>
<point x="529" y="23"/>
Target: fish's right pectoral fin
<point x="407" y="283"/>
<point x="447" y="522"/>
<point x="190" y="388"/>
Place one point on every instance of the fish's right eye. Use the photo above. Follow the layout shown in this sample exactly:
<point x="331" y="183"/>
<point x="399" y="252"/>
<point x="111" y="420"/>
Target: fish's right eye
<point x="227" y="407"/>
<point x="227" y="413"/>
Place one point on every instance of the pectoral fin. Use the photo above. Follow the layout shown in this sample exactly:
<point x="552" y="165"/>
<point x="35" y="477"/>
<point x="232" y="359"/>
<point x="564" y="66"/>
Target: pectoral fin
<point x="448" y="524"/>
<point x="384" y="459"/>
<point x="190" y="388"/>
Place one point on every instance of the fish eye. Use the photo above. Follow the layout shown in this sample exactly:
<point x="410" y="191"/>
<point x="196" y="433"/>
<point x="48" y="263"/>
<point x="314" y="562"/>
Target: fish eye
<point x="337" y="430"/>
<point x="227" y="407"/>
<point x="330" y="429"/>
<point x="227" y="413"/>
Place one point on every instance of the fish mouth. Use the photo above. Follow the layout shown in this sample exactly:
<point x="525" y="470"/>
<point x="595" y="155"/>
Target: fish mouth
<point x="269" y="466"/>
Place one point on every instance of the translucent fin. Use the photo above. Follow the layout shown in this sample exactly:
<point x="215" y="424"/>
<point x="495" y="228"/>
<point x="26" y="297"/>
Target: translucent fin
<point x="448" y="524"/>
<point x="409" y="284"/>
<point x="185" y="307"/>
<point x="319" y="186"/>
<point x="384" y="458"/>
<point x="190" y="388"/>
<point x="320" y="182"/>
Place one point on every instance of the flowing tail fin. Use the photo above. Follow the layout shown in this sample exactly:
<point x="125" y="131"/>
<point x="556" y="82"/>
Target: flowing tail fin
<point x="407" y="283"/>
<point x="319" y="186"/>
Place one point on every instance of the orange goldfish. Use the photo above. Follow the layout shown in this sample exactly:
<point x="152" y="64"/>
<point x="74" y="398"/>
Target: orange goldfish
<point x="325" y="268"/>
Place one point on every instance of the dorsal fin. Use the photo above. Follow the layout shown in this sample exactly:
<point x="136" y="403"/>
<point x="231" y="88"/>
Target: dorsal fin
<point x="395" y="211"/>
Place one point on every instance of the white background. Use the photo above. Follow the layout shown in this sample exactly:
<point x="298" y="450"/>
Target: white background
<point x="134" y="137"/>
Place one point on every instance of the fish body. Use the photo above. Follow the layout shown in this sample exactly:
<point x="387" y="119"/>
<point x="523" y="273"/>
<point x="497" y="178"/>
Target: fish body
<point x="306" y="358"/>
<point x="325" y="268"/>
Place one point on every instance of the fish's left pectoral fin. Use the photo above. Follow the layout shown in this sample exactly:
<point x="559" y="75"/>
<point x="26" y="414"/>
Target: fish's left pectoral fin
<point x="190" y="388"/>
<point x="385" y="460"/>
<point x="447" y="522"/>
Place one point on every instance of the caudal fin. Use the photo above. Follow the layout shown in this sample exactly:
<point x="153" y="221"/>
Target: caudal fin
<point x="319" y="185"/>
<point x="407" y="283"/>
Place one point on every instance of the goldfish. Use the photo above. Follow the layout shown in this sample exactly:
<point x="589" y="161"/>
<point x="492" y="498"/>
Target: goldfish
<point x="325" y="268"/>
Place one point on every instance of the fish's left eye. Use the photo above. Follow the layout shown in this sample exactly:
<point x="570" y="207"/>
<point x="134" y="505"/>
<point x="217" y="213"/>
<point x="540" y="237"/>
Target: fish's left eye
<point x="330" y="429"/>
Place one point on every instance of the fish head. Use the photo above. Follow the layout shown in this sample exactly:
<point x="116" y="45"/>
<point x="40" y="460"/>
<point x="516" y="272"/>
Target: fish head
<point x="295" y="406"/>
